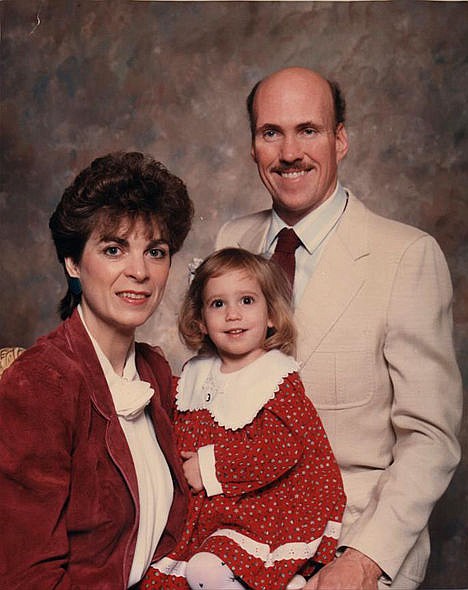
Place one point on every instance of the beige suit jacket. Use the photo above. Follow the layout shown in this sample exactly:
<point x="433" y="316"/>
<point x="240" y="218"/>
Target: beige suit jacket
<point x="375" y="346"/>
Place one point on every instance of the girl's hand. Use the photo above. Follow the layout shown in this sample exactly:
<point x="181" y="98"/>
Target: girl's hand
<point x="191" y="469"/>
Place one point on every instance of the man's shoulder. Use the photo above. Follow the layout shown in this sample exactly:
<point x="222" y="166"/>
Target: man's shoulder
<point x="235" y="229"/>
<point x="249" y="220"/>
<point x="382" y="226"/>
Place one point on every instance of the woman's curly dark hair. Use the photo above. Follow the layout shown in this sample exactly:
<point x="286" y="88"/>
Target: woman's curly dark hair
<point x="116" y="187"/>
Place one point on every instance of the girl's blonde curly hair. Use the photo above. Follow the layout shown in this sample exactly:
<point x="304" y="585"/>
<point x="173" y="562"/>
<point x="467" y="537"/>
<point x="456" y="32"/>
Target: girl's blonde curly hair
<point x="275" y="288"/>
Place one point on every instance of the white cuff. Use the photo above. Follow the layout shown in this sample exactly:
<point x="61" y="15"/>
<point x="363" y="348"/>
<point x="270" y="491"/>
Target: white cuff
<point x="207" y="462"/>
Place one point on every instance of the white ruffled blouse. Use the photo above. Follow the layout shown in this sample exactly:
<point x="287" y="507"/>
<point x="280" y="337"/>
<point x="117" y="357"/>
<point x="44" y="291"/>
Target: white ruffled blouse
<point x="155" y="488"/>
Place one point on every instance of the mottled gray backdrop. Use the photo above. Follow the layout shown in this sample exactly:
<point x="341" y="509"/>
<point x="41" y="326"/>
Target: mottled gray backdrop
<point x="81" y="78"/>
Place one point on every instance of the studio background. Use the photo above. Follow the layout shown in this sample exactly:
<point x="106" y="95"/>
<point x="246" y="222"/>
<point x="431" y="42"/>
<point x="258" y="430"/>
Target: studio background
<point x="82" y="78"/>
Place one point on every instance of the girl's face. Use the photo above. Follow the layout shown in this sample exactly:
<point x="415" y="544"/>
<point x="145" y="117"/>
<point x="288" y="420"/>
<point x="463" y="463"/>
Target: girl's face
<point x="235" y="317"/>
<point x="122" y="277"/>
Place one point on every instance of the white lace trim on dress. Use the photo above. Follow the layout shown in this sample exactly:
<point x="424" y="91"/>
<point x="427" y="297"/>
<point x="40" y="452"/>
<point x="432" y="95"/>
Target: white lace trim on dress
<point x="283" y="552"/>
<point x="233" y="399"/>
<point x="170" y="567"/>
<point x="259" y="550"/>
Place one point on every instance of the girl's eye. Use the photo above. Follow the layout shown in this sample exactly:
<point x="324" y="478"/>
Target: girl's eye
<point x="217" y="303"/>
<point x="247" y="300"/>
<point x="112" y="250"/>
<point x="157" y="252"/>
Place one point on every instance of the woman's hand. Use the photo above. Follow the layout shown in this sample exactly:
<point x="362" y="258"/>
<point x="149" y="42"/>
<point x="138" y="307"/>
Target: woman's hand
<point x="191" y="469"/>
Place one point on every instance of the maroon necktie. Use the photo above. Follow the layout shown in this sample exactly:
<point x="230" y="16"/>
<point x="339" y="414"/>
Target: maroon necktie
<point x="284" y="253"/>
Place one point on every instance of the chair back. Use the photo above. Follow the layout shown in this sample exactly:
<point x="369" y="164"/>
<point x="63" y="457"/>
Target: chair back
<point x="8" y="355"/>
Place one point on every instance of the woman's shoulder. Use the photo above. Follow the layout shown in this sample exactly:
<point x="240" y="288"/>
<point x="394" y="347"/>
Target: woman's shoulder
<point x="69" y="347"/>
<point x="49" y="350"/>
<point x="46" y="365"/>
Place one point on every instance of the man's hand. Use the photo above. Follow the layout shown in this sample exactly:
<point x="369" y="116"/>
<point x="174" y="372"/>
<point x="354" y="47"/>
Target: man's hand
<point x="191" y="469"/>
<point x="352" y="571"/>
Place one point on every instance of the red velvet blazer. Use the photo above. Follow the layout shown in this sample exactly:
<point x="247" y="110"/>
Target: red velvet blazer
<point x="68" y="490"/>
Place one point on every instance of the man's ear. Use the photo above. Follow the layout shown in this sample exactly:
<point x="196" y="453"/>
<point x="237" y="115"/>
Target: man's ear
<point x="252" y="152"/>
<point x="341" y="142"/>
<point x="73" y="269"/>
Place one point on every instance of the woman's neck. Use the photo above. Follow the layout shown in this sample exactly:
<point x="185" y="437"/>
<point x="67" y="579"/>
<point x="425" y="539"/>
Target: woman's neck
<point x="115" y="344"/>
<point x="116" y="351"/>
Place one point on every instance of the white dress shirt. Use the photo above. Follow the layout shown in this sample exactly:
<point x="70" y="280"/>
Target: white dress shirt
<point x="313" y="230"/>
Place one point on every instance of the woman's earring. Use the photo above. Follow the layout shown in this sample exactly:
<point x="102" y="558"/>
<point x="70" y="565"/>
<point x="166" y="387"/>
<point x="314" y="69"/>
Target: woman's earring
<point x="74" y="285"/>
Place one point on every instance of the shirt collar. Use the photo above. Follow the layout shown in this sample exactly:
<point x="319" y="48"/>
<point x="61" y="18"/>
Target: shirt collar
<point x="315" y="226"/>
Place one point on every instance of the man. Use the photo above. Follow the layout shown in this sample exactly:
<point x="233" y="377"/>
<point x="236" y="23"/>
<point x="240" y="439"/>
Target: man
<point x="373" y="309"/>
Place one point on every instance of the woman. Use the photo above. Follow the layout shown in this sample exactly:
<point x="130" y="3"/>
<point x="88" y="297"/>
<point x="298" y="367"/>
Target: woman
<point x="90" y="483"/>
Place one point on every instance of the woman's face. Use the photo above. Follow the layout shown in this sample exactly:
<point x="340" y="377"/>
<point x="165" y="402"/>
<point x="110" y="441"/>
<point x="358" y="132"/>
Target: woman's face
<point x="123" y="276"/>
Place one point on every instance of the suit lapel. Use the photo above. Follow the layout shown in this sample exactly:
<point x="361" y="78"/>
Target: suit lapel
<point x="338" y="278"/>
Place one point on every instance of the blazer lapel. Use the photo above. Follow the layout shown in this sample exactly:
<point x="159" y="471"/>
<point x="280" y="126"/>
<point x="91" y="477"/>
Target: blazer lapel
<point x="82" y="349"/>
<point x="338" y="278"/>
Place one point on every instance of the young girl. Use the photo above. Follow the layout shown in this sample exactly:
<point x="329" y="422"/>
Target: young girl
<point x="267" y="493"/>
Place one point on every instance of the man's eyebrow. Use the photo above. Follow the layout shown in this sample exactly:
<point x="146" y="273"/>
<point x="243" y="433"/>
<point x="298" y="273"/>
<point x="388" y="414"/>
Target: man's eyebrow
<point x="307" y="124"/>
<point x="266" y="126"/>
<point x="303" y="125"/>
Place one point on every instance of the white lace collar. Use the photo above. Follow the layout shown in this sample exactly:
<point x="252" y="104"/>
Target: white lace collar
<point x="233" y="399"/>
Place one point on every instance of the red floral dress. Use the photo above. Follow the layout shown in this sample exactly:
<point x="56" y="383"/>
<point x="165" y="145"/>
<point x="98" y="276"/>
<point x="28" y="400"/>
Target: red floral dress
<point x="274" y="496"/>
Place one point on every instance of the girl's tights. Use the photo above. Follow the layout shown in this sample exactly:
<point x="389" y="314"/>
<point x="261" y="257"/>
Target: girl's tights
<point x="207" y="571"/>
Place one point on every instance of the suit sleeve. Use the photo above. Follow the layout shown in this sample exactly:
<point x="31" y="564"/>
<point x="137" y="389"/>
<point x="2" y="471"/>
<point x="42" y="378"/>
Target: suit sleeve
<point x="35" y="462"/>
<point x="425" y="413"/>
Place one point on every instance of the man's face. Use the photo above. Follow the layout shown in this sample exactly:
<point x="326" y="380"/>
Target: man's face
<point x="295" y="145"/>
